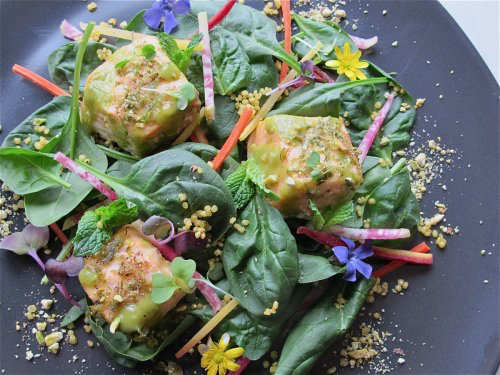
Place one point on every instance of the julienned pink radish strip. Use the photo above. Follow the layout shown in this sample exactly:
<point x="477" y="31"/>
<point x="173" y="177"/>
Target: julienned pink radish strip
<point x="243" y="362"/>
<point x="372" y="131"/>
<point x="402" y="255"/>
<point x="206" y="58"/>
<point x="209" y="294"/>
<point x="362" y="43"/>
<point x="368" y="234"/>
<point x="70" y="31"/>
<point x="87" y="176"/>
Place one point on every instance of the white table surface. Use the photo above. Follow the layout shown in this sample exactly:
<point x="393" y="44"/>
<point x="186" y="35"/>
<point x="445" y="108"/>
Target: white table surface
<point x="480" y="20"/>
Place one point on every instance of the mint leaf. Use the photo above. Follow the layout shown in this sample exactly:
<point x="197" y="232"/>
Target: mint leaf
<point x="180" y="58"/>
<point x="148" y="51"/>
<point x="96" y="227"/>
<point x="344" y="212"/>
<point x="317" y="219"/>
<point x="255" y="175"/>
<point x="90" y="236"/>
<point x="241" y="187"/>
<point x="313" y="160"/>
<point x="164" y="288"/>
<point x="122" y="63"/>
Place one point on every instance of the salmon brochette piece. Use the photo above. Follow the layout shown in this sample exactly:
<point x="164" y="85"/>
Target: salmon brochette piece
<point x="140" y="101"/>
<point x="118" y="279"/>
<point x="306" y="159"/>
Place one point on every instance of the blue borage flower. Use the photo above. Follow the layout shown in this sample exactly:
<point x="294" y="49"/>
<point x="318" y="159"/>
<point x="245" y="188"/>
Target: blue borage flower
<point x="168" y="10"/>
<point x="307" y="76"/>
<point x="352" y="258"/>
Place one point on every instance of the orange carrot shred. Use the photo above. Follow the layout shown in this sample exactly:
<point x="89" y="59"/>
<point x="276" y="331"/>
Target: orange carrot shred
<point x="287" y="23"/>
<point x="395" y="264"/>
<point x="39" y="80"/>
<point x="232" y="139"/>
<point x="59" y="233"/>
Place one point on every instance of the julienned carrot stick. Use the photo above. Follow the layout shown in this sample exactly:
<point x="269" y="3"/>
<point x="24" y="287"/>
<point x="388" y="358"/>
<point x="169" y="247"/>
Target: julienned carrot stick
<point x="287" y="23"/>
<point x="59" y="233"/>
<point x="232" y="139"/>
<point x="39" y="80"/>
<point x="395" y="264"/>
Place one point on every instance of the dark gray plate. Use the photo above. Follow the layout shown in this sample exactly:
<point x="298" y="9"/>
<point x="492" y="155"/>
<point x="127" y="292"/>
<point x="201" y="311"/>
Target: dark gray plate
<point x="448" y="321"/>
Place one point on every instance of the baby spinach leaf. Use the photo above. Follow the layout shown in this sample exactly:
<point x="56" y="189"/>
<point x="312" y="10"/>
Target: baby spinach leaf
<point x="321" y="326"/>
<point x="232" y="70"/>
<point x="75" y="312"/>
<point x="264" y="73"/>
<point x="95" y="228"/>
<point x="359" y="103"/>
<point x="319" y="99"/>
<point x="262" y="263"/>
<point x="62" y="62"/>
<point x="311" y="32"/>
<point x="395" y="204"/>
<point x="155" y="182"/>
<point x="315" y="268"/>
<point x="55" y="114"/>
<point x="27" y="171"/>
<point x="254" y="333"/>
<point x="207" y="153"/>
<point x="127" y="352"/>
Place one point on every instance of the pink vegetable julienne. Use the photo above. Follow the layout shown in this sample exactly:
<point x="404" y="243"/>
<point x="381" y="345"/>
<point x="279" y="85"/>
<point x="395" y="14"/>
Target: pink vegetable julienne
<point x="87" y="176"/>
<point x="372" y="131"/>
<point x="206" y="58"/>
<point x="362" y="43"/>
<point x="368" y="234"/>
<point x="70" y="31"/>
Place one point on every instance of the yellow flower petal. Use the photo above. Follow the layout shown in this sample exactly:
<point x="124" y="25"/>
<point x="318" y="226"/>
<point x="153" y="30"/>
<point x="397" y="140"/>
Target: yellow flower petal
<point x="347" y="49"/>
<point x="350" y="75"/>
<point x="224" y="342"/>
<point x="234" y="353"/>
<point x="340" y="70"/>
<point x="362" y="64"/>
<point x="359" y="74"/>
<point x="356" y="55"/>
<point x="205" y="360"/>
<point x="212" y="370"/>
<point x="338" y="52"/>
<point x="231" y="366"/>
<point x="332" y="63"/>
<point x="222" y="368"/>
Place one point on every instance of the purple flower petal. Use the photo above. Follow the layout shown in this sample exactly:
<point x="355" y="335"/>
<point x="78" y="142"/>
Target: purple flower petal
<point x="159" y="227"/>
<point x="363" y="251"/>
<point x="348" y="242"/>
<point x="153" y="15"/>
<point x="169" y="22"/>
<point x="342" y="253"/>
<point x="36" y="237"/>
<point x="363" y="268"/>
<point x="58" y="272"/>
<point x="15" y="242"/>
<point x="350" y="274"/>
<point x="180" y="7"/>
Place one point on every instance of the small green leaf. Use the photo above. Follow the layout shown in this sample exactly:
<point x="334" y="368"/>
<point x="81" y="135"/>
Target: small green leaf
<point x="342" y="213"/>
<point x="179" y="57"/>
<point x="183" y="270"/>
<point x="122" y="63"/>
<point x="313" y="160"/>
<point x="186" y="94"/>
<point x="148" y="51"/>
<point x="317" y="175"/>
<point x="317" y="220"/>
<point x="255" y="174"/>
<point x="75" y="313"/>
<point x="241" y="187"/>
<point x="164" y="288"/>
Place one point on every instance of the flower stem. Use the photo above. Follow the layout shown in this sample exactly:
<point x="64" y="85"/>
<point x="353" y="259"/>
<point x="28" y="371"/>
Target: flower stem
<point x="37" y="259"/>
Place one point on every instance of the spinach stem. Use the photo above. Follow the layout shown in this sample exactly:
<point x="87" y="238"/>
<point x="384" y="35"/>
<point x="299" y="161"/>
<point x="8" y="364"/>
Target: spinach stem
<point x="59" y="181"/>
<point x="400" y="164"/>
<point x="62" y="255"/>
<point x="74" y="117"/>
<point x="118" y="155"/>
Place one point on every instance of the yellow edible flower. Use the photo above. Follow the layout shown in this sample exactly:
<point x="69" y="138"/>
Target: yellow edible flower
<point x="348" y="63"/>
<point x="215" y="358"/>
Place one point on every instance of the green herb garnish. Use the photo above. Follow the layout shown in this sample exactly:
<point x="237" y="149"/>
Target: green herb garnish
<point x="122" y="63"/>
<point x="148" y="51"/>
<point x="178" y="56"/>
<point x="164" y="286"/>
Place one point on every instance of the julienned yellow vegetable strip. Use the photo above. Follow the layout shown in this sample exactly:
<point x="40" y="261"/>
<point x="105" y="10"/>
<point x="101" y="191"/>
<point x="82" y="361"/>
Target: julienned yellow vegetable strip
<point x="207" y="328"/>
<point x="131" y="35"/>
<point x="186" y="133"/>
<point x="271" y="101"/>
